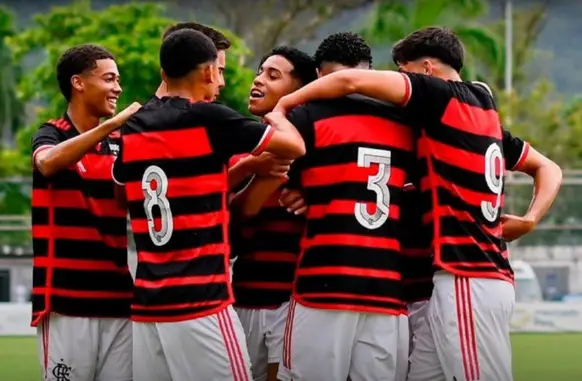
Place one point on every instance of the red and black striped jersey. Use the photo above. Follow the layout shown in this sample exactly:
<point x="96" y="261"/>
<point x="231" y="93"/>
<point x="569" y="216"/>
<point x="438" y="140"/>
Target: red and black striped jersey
<point x="267" y="250"/>
<point x="416" y="241"/>
<point x="173" y="163"/>
<point x="467" y="155"/>
<point x="358" y="153"/>
<point x="79" y="234"/>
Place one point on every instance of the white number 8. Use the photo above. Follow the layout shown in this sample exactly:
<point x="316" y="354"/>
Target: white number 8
<point x="493" y="155"/>
<point x="377" y="183"/>
<point x="157" y="197"/>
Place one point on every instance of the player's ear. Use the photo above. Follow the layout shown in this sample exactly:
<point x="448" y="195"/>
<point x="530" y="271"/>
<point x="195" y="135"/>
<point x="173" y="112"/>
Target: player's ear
<point x="77" y="82"/>
<point x="163" y="75"/>
<point x="428" y="67"/>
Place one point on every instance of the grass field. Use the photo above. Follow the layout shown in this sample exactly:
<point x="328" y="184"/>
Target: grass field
<point x="537" y="357"/>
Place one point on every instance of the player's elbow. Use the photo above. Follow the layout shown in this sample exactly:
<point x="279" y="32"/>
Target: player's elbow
<point x="297" y="149"/>
<point x="45" y="166"/>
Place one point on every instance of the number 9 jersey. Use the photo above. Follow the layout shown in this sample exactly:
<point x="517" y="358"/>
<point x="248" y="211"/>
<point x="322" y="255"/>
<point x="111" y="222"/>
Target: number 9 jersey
<point x="353" y="175"/>
<point x="467" y="155"/>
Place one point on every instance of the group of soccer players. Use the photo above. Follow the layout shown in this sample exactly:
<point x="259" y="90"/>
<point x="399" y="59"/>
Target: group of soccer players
<point x="356" y="232"/>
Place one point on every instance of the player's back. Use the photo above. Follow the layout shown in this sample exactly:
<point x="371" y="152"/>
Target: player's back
<point x="176" y="189"/>
<point x="464" y="143"/>
<point x="358" y="151"/>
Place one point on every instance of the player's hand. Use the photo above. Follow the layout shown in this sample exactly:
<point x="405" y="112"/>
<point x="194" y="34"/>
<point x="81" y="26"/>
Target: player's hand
<point x="293" y="201"/>
<point x="514" y="227"/>
<point x="267" y="164"/>
<point x="283" y="106"/>
<point x="274" y="118"/>
<point x="122" y="117"/>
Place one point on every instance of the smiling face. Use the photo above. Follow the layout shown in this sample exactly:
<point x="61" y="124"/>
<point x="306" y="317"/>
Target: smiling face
<point x="100" y="87"/>
<point x="274" y="80"/>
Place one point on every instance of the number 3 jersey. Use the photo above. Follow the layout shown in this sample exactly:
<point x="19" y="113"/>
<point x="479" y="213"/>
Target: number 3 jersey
<point x="466" y="153"/>
<point x="173" y="164"/>
<point x="352" y="178"/>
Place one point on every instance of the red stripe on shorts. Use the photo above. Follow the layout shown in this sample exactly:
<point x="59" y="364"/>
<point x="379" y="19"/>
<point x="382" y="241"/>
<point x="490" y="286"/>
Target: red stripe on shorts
<point x="287" y="335"/>
<point x="466" y="326"/>
<point x="233" y="348"/>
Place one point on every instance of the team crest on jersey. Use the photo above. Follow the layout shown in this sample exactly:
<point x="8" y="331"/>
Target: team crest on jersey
<point x="114" y="148"/>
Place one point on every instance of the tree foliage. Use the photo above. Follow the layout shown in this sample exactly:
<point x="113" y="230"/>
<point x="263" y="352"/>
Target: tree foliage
<point x="132" y="32"/>
<point x="11" y="108"/>
<point x="268" y="23"/>
<point x="391" y="20"/>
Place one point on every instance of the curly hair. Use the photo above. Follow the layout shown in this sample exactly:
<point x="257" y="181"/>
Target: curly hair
<point x="77" y="60"/>
<point x="304" y="68"/>
<point x="345" y="48"/>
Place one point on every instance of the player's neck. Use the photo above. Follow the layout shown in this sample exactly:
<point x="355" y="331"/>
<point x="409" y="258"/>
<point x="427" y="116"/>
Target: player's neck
<point x="81" y="117"/>
<point x="450" y="75"/>
<point x="194" y="95"/>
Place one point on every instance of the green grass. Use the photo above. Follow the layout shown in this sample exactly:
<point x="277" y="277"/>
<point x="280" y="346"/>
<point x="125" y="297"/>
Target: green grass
<point x="537" y="357"/>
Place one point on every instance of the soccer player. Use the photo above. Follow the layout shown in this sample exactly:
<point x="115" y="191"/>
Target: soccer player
<point x="346" y="313"/>
<point x="173" y="163"/>
<point x="268" y="245"/>
<point x="473" y="298"/>
<point x="82" y="287"/>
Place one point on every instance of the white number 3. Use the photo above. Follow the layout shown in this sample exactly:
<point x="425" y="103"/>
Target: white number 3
<point x="157" y="197"/>
<point x="377" y="183"/>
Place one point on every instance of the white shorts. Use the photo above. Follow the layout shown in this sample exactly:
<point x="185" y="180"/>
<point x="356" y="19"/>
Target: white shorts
<point x="208" y="348"/>
<point x="85" y="349"/>
<point x="466" y="334"/>
<point x="325" y="345"/>
<point x="264" y="330"/>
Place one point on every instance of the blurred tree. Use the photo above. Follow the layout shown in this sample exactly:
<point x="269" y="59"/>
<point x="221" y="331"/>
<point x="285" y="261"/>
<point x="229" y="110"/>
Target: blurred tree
<point x="528" y="24"/>
<point x="268" y="23"/>
<point x="541" y="117"/>
<point x="391" y="20"/>
<point x="132" y="32"/>
<point x="11" y="108"/>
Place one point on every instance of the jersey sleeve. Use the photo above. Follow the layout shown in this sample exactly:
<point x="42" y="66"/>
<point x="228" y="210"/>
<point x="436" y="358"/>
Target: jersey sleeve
<point x="232" y="133"/>
<point x="301" y="118"/>
<point x="515" y="151"/>
<point x="426" y="97"/>
<point x="46" y="136"/>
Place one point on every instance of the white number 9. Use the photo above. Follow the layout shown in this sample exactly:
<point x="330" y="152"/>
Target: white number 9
<point x="494" y="182"/>
<point x="377" y="183"/>
<point x="157" y="197"/>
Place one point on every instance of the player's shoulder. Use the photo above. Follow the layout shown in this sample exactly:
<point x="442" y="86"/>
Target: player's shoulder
<point x="356" y="104"/>
<point x="59" y="127"/>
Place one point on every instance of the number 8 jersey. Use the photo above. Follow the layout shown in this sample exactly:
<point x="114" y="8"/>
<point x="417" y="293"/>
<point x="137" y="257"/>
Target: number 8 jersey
<point x="352" y="177"/>
<point x="172" y="163"/>
<point x="467" y="154"/>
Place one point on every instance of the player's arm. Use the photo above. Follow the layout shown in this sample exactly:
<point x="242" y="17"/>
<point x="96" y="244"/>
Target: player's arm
<point x="231" y="133"/>
<point x="547" y="176"/>
<point x="265" y="164"/>
<point x="49" y="160"/>
<point x="119" y="178"/>
<point x="386" y="85"/>
<point x="250" y="200"/>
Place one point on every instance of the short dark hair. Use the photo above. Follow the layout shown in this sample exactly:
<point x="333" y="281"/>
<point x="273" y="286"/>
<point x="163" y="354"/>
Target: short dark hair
<point x="434" y="42"/>
<point x="304" y="68"/>
<point x="346" y="48"/>
<point x="183" y="51"/>
<point x="219" y="39"/>
<point x="77" y="60"/>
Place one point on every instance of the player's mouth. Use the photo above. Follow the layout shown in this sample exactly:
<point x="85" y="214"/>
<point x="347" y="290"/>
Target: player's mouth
<point x="256" y="94"/>
<point x="112" y="101"/>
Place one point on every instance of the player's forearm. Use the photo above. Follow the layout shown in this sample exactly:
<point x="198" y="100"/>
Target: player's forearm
<point x="248" y="202"/>
<point x="334" y="85"/>
<point x="63" y="155"/>
<point x="547" y="182"/>
<point x="240" y="172"/>
<point x="291" y="144"/>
